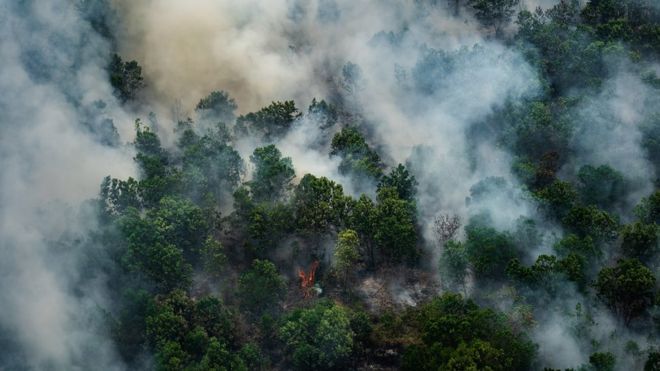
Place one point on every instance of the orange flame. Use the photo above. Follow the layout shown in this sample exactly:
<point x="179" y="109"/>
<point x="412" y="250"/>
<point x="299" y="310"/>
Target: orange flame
<point x="307" y="279"/>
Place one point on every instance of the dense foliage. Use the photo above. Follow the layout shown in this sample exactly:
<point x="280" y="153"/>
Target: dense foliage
<point x="230" y="263"/>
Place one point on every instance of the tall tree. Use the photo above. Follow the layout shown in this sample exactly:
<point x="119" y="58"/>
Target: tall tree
<point x="272" y="174"/>
<point x="357" y="157"/>
<point x="601" y="186"/>
<point x="272" y="122"/>
<point x="488" y="251"/>
<point x="151" y="253"/>
<point x="457" y="334"/>
<point x="261" y="287"/>
<point x="318" y="338"/>
<point x="400" y="179"/>
<point x="210" y="165"/>
<point x="362" y="219"/>
<point x="395" y="230"/>
<point x="648" y="209"/>
<point x="158" y="177"/>
<point x="494" y="13"/>
<point x="267" y="225"/>
<point x="346" y="254"/>
<point x="217" y="105"/>
<point x="454" y="264"/>
<point x="591" y="221"/>
<point x="640" y="240"/>
<point x="627" y="288"/>
<point x="319" y="204"/>
<point x="125" y="78"/>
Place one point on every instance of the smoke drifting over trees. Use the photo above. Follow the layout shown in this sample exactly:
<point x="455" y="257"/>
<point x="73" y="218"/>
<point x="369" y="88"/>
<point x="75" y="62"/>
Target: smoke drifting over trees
<point x="474" y="182"/>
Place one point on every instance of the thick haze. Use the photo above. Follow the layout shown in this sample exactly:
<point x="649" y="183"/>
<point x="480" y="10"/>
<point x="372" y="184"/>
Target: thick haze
<point x="260" y="51"/>
<point x="280" y="50"/>
<point x="608" y="132"/>
<point x="52" y="70"/>
<point x="415" y="109"/>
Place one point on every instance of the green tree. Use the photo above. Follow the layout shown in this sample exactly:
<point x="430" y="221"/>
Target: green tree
<point x="219" y="358"/>
<point x="478" y="355"/>
<point x="319" y="204"/>
<point x="117" y="196"/>
<point x="488" y="251"/>
<point x="213" y="257"/>
<point x="604" y="12"/>
<point x="125" y="78"/>
<point x="577" y="254"/>
<point x="648" y="209"/>
<point x="272" y="174"/>
<point x="253" y="358"/>
<point x="196" y="342"/>
<point x="457" y="333"/>
<point x="149" y="252"/>
<point x="627" y="288"/>
<point x="591" y="221"/>
<point x="267" y="226"/>
<point x="572" y="244"/>
<point x="558" y="197"/>
<point x="129" y="330"/>
<point x="218" y="105"/>
<point x="494" y="13"/>
<point x="362" y="220"/>
<point x="395" y="231"/>
<point x="601" y="186"/>
<point x="157" y="177"/>
<point x="347" y="253"/>
<point x="171" y="357"/>
<point x="272" y="122"/>
<point x="324" y="113"/>
<point x="261" y="287"/>
<point x="181" y="223"/>
<point x="167" y="321"/>
<point x="352" y="78"/>
<point x="653" y="361"/>
<point x="151" y="157"/>
<point x="209" y="164"/>
<point x="650" y="130"/>
<point x="640" y="240"/>
<point x="318" y="338"/>
<point x="165" y="242"/>
<point x="454" y="263"/>
<point x="602" y="361"/>
<point x="538" y="274"/>
<point x="215" y="318"/>
<point x="357" y="158"/>
<point x="400" y="178"/>
<point x="566" y="55"/>
<point x="536" y="129"/>
<point x="543" y="273"/>
<point x="574" y="266"/>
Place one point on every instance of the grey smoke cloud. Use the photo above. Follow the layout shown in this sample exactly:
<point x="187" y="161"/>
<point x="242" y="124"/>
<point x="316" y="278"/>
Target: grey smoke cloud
<point x="417" y="106"/>
<point x="296" y="50"/>
<point x="608" y="132"/>
<point x="261" y="51"/>
<point x="52" y="66"/>
<point x="289" y="49"/>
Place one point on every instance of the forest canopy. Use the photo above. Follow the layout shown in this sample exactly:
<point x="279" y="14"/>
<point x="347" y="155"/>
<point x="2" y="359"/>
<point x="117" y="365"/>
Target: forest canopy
<point x="460" y="185"/>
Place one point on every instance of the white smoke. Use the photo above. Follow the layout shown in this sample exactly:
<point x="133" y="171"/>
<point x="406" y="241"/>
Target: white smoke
<point x="52" y="65"/>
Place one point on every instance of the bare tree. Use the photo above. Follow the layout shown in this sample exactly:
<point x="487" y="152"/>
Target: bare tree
<point x="446" y="227"/>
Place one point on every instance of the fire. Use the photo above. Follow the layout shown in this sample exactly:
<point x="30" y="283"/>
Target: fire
<point x="307" y="279"/>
